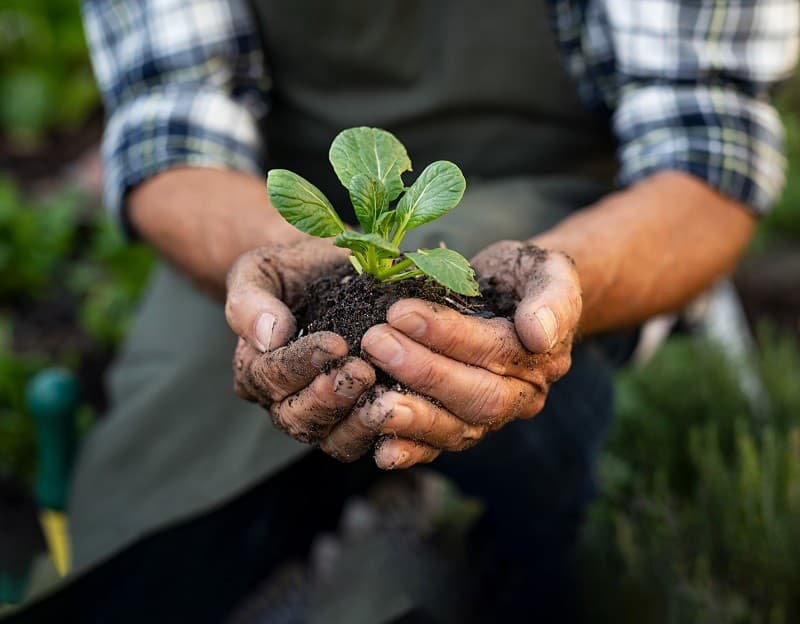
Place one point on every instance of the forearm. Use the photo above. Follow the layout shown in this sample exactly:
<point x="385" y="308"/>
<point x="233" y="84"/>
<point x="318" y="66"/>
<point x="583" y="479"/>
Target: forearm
<point x="650" y="248"/>
<point x="203" y="219"/>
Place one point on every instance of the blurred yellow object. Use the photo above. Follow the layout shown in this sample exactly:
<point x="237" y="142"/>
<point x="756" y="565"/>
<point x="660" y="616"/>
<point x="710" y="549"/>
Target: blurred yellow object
<point x="56" y="532"/>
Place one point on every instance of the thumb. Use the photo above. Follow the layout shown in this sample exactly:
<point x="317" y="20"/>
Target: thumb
<point x="253" y="307"/>
<point x="551" y="307"/>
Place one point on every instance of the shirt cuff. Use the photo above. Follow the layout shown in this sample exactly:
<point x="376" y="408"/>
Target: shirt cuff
<point x="168" y="128"/>
<point x="732" y="141"/>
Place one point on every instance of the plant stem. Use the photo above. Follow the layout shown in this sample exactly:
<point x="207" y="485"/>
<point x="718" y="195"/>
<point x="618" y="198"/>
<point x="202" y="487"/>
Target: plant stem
<point x="361" y="260"/>
<point x="402" y="276"/>
<point x="395" y="269"/>
<point x="372" y="262"/>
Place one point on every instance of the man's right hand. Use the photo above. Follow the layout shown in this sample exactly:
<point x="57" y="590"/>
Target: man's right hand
<point x="292" y="381"/>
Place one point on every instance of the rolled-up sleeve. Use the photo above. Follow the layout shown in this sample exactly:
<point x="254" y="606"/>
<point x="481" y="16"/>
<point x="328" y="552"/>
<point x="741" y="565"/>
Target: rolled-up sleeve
<point x="184" y="84"/>
<point x="693" y="86"/>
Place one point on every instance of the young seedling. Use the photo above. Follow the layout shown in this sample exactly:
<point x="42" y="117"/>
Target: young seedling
<point x="370" y="164"/>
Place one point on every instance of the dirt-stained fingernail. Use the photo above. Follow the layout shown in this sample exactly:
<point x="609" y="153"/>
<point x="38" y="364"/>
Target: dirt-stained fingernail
<point x="398" y="460"/>
<point x="319" y="358"/>
<point x="344" y="384"/>
<point x="373" y="414"/>
<point x="388" y="458"/>
<point x="401" y="417"/>
<point x="264" y="326"/>
<point x="549" y="324"/>
<point x="385" y="348"/>
<point x="412" y="325"/>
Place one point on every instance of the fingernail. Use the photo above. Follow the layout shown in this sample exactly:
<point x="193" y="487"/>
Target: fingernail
<point x="388" y="460"/>
<point x="402" y="415"/>
<point x="549" y="324"/>
<point x="319" y="358"/>
<point x="385" y="348"/>
<point x="402" y="457"/>
<point x="344" y="384"/>
<point x="373" y="414"/>
<point x="412" y="325"/>
<point x="264" y="326"/>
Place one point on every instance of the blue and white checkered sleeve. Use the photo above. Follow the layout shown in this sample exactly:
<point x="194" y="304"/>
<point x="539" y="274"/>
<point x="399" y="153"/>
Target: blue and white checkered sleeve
<point x="183" y="83"/>
<point x="694" y="80"/>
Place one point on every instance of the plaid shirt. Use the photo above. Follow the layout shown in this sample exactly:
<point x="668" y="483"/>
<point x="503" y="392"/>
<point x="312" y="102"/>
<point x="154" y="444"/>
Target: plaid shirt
<point x="684" y="84"/>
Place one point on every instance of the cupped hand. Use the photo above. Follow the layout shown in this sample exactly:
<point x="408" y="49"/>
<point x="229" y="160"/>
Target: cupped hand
<point x="292" y="381"/>
<point x="470" y="376"/>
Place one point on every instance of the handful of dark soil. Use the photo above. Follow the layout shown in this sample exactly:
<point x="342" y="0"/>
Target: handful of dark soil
<point x="349" y="304"/>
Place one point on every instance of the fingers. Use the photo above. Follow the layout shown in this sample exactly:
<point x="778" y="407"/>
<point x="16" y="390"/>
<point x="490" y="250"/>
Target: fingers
<point x="475" y="394"/>
<point x="491" y="344"/>
<point x="414" y="417"/>
<point x="394" y="454"/>
<point x="350" y="439"/>
<point x="274" y="375"/>
<point x="551" y="308"/>
<point x="390" y="413"/>
<point x="310" y="414"/>
<point x="253" y="307"/>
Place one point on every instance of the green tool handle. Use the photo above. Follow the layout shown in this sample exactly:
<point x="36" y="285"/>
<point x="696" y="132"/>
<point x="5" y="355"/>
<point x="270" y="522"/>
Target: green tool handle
<point x="52" y="397"/>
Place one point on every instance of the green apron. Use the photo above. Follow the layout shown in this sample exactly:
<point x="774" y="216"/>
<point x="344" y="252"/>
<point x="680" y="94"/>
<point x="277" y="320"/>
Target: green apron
<point x="476" y="83"/>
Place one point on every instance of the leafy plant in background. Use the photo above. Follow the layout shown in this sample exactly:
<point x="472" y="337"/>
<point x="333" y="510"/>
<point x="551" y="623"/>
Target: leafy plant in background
<point x="59" y="257"/>
<point x="17" y="436"/>
<point x="34" y="238"/>
<point x="109" y="280"/>
<point x="45" y="74"/>
<point x="699" y="520"/>
<point x="370" y="162"/>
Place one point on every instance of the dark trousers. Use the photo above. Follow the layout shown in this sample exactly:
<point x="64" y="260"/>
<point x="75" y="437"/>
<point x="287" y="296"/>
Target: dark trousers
<point x="535" y="478"/>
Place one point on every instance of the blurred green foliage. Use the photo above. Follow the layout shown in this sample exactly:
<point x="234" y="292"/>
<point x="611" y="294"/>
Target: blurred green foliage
<point x="17" y="438"/>
<point x="62" y="245"/>
<point x="34" y="238"/>
<point x="45" y="74"/>
<point x="109" y="280"/>
<point x="699" y="520"/>
<point x="58" y="253"/>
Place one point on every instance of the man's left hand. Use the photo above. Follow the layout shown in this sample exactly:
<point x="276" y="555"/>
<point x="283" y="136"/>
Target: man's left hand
<point x="469" y="375"/>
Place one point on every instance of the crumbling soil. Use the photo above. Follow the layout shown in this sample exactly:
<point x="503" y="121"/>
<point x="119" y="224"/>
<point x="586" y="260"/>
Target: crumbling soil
<point x="349" y="304"/>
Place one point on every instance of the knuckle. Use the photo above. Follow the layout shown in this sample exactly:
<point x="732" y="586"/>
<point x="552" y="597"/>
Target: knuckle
<point x="306" y="432"/>
<point x="428" y="375"/>
<point x="532" y="405"/>
<point x="276" y="416"/>
<point x="267" y="377"/>
<point x="471" y="435"/>
<point x="429" y="418"/>
<point x="560" y="367"/>
<point x="241" y="389"/>
<point x="488" y="403"/>
<point x="235" y="304"/>
<point x="331" y="449"/>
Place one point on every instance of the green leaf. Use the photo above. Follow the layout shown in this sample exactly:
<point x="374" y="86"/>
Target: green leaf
<point x="357" y="241"/>
<point x="302" y="204"/>
<point x="448" y="267"/>
<point x="385" y="223"/>
<point x="373" y="152"/>
<point x="369" y="200"/>
<point x="435" y="193"/>
<point x="356" y="264"/>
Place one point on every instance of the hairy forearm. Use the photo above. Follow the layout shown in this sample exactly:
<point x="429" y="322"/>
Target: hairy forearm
<point x="202" y="220"/>
<point x="650" y="248"/>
